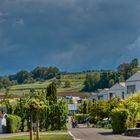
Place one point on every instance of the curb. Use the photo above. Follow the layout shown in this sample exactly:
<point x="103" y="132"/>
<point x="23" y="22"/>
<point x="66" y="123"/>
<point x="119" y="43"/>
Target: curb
<point x="72" y="135"/>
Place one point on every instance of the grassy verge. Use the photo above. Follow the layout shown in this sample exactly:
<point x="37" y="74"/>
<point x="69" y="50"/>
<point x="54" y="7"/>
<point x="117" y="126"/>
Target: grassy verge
<point x="46" y="137"/>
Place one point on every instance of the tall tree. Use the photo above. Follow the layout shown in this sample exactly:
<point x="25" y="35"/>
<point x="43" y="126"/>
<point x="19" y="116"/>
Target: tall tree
<point x="134" y="63"/>
<point x="23" y="76"/>
<point x="89" y="83"/>
<point x="51" y="94"/>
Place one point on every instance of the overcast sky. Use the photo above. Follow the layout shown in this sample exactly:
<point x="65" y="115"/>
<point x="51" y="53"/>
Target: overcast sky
<point x="73" y="35"/>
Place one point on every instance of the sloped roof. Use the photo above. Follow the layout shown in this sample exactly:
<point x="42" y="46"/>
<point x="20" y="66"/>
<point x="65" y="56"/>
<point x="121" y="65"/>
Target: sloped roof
<point x="135" y="77"/>
<point x="104" y="91"/>
<point x="118" y="86"/>
<point x="122" y="84"/>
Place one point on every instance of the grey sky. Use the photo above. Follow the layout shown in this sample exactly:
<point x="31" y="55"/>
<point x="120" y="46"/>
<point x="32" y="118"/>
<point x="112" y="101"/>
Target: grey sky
<point x="74" y="35"/>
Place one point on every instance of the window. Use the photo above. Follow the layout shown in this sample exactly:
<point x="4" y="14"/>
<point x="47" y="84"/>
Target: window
<point x="131" y="89"/>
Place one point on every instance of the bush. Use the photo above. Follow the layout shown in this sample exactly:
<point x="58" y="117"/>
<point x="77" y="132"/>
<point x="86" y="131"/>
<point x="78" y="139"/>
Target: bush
<point x="119" y="120"/>
<point x="103" y="124"/>
<point x="81" y="118"/>
<point x="13" y="123"/>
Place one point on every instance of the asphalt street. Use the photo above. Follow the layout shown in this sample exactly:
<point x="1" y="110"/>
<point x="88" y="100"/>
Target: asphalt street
<point x="84" y="133"/>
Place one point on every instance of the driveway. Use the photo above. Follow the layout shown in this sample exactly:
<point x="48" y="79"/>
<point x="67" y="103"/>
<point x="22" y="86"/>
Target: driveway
<point x="97" y="134"/>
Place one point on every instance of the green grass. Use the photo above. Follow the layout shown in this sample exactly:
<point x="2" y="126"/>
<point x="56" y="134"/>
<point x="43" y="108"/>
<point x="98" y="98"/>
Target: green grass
<point x="76" y="85"/>
<point x="76" y="81"/>
<point x="46" y="137"/>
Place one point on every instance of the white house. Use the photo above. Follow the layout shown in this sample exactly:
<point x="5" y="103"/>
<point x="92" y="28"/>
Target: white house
<point x="118" y="90"/>
<point x="133" y="83"/>
<point x="103" y="94"/>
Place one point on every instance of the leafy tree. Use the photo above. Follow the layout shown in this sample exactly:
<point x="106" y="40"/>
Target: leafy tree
<point x="58" y="116"/>
<point x="100" y="110"/>
<point x="22" y="76"/>
<point x="5" y="82"/>
<point x="45" y="72"/>
<point x="35" y="106"/>
<point x="21" y="111"/>
<point x="89" y="83"/>
<point x="134" y="63"/>
<point x="51" y="94"/>
<point x="111" y="82"/>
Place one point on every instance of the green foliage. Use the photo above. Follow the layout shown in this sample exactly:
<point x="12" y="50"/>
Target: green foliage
<point x="89" y="83"/>
<point x="51" y="94"/>
<point x="43" y="137"/>
<point x="80" y="117"/>
<point x="113" y="103"/>
<point x="100" y="110"/>
<point x="132" y="104"/>
<point x="13" y="123"/>
<point x="36" y="105"/>
<point x="126" y="69"/>
<point x="119" y="118"/>
<point x="106" y="79"/>
<point x="21" y="111"/>
<point x="103" y="124"/>
<point x="67" y="84"/>
<point x="45" y="72"/>
<point x="5" y="82"/>
<point x="57" y="115"/>
<point x="23" y="76"/>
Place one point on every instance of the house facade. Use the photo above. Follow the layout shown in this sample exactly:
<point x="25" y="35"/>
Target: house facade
<point x="118" y="90"/>
<point x="123" y="89"/>
<point x="133" y="84"/>
<point x="103" y="94"/>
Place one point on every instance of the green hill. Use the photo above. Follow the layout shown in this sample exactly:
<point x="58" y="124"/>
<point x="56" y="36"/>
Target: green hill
<point x="76" y="81"/>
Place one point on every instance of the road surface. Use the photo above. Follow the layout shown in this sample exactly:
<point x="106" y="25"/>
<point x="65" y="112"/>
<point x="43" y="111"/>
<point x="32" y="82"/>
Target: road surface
<point x="97" y="134"/>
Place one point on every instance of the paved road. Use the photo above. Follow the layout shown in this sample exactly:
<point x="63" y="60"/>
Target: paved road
<point x="97" y="134"/>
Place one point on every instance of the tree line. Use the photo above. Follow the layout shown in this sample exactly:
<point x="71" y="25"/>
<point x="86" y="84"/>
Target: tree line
<point x="23" y="76"/>
<point x="106" y="79"/>
<point x="94" y="79"/>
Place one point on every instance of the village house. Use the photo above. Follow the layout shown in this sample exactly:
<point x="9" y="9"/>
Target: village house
<point x="118" y="90"/>
<point x="123" y="89"/>
<point x="103" y="94"/>
<point x="133" y="84"/>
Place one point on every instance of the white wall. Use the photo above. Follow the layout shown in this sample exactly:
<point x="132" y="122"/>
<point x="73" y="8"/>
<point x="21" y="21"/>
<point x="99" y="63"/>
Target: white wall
<point x="137" y="83"/>
<point x="118" y="93"/>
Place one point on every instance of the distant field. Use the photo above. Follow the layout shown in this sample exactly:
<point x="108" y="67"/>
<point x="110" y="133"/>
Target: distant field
<point x="76" y="81"/>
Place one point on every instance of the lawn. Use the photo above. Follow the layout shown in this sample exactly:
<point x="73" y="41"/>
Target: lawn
<point x="46" y="137"/>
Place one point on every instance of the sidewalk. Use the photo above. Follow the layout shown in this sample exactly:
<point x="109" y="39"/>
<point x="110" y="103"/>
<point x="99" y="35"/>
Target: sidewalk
<point x="7" y="135"/>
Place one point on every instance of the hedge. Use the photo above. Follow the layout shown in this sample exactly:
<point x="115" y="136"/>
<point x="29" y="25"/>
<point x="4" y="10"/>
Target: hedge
<point x="119" y="118"/>
<point x="13" y="123"/>
<point x="80" y="118"/>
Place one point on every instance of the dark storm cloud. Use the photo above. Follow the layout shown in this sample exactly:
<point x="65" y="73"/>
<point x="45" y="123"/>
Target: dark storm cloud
<point x="71" y="34"/>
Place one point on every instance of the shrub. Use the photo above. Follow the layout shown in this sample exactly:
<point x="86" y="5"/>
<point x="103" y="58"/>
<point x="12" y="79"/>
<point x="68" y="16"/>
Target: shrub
<point x="119" y="120"/>
<point x="13" y="123"/>
<point x="103" y="124"/>
<point x="81" y="118"/>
